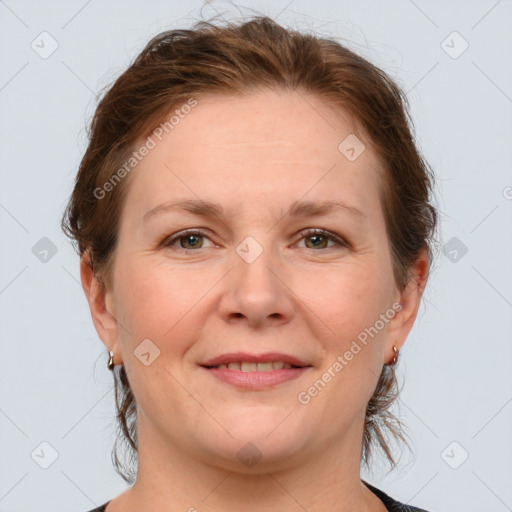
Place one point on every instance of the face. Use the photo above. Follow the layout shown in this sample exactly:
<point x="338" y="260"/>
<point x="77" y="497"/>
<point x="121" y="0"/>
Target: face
<point x="266" y="273"/>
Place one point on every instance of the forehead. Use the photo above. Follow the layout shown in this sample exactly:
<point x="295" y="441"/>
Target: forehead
<point x="266" y="145"/>
<point x="258" y="120"/>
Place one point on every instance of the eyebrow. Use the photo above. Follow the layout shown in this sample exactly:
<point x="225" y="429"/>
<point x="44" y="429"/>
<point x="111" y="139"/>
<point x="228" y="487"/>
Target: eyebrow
<point x="210" y="209"/>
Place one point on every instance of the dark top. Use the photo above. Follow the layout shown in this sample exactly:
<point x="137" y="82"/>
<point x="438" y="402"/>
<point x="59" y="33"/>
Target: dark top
<point x="391" y="504"/>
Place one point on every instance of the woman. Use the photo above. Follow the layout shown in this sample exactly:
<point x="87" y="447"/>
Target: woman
<point x="255" y="229"/>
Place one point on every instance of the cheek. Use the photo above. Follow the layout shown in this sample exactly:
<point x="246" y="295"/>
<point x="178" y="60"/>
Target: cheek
<point x="353" y="346"/>
<point x="157" y="304"/>
<point x="352" y="304"/>
<point x="163" y="303"/>
<point x="150" y="301"/>
<point x="352" y="298"/>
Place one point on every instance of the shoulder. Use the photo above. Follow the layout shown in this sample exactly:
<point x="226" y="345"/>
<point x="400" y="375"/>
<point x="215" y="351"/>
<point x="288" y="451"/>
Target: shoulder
<point x="391" y="504"/>
<point x="101" y="508"/>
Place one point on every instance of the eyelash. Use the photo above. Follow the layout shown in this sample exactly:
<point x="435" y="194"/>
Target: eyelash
<point x="303" y="234"/>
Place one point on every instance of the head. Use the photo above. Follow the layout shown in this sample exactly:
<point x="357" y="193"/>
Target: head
<point x="253" y="126"/>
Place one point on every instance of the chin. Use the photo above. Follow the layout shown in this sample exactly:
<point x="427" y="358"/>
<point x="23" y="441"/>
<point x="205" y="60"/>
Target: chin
<point x="261" y="441"/>
<point x="256" y="457"/>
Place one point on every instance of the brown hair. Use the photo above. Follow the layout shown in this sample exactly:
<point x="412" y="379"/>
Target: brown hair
<point x="234" y="59"/>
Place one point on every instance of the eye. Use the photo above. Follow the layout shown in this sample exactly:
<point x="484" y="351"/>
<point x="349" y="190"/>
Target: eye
<point x="189" y="240"/>
<point x="320" y="237"/>
<point x="192" y="239"/>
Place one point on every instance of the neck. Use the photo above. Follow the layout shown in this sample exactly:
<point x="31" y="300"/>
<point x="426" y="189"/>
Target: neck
<point x="169" y="479"/>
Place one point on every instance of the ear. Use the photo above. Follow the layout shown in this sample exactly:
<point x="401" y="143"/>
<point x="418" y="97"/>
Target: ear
<point x="101" y="305"/>
<point x="401" y="324"/>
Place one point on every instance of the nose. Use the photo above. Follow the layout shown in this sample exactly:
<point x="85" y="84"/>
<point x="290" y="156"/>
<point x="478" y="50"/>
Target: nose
<point x="257" y="292"/>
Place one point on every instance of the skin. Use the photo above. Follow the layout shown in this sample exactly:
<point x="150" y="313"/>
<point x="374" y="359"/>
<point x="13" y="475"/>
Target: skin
<point x="254" y="155"/>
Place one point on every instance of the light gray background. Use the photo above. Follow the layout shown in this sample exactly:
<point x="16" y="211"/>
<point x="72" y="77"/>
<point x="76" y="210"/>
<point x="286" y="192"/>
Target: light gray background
<point x="456" y="364"/>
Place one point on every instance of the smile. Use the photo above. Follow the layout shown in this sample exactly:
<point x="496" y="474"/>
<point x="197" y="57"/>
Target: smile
<point x="245" y="366"/>
<point x="252" y="376"/>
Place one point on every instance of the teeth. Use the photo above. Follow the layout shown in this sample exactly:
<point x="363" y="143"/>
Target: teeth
<point x="248" y="367"/>
<point x="254" y="367"/>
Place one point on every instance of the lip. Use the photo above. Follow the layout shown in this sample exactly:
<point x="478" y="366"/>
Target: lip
<point x="256" y="380"/>
<point x="252" y="358"/>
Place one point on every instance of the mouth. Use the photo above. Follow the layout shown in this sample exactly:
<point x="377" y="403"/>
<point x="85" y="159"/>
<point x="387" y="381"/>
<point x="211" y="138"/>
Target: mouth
<point x="242" y="358"/>
<point x="255" y="371"/>
<point x="246" y="366"/>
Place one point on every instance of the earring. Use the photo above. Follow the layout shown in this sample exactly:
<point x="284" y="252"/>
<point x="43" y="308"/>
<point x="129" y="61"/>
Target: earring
<point x="111" y="361"/>
<point x="395" y="357"/>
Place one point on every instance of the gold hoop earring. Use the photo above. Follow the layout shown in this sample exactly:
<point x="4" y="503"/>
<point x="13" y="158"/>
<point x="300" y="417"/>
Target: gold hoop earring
<point x="111" y="361"/>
